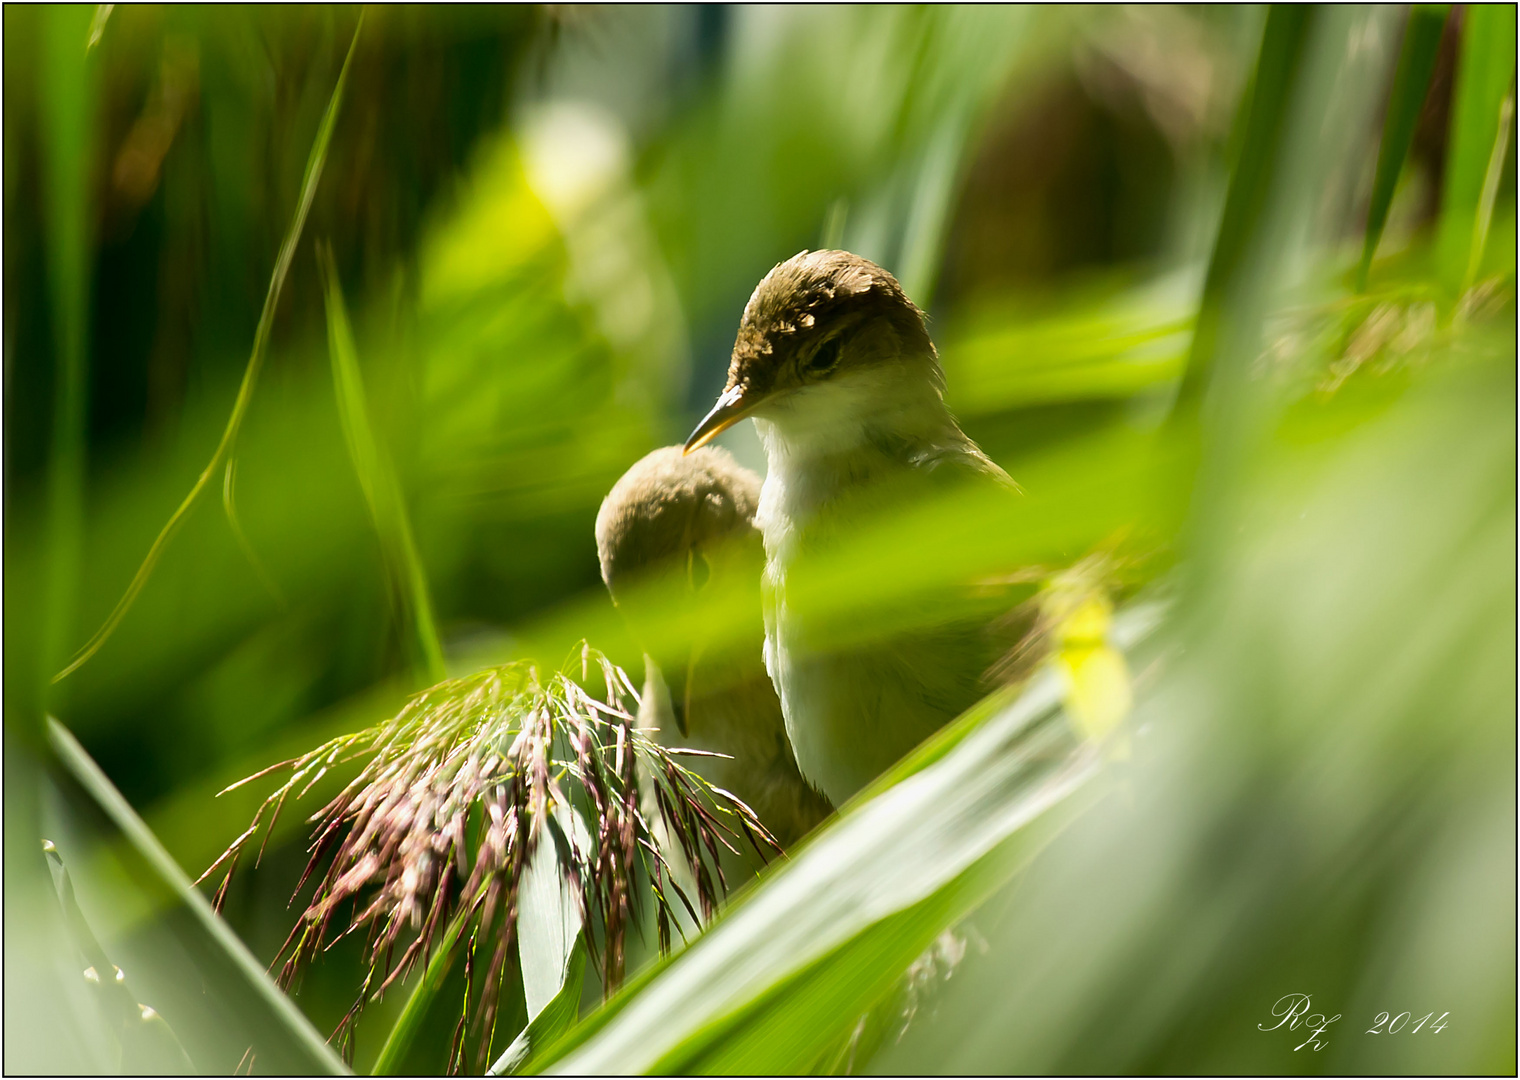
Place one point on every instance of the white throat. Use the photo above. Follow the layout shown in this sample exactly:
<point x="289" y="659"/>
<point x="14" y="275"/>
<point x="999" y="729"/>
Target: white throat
<point x="827" y="438"/>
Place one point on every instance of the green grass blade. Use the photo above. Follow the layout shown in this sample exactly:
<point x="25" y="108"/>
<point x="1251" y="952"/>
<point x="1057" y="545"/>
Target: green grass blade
<point x="313" y="174"/>
<point x="552" y="1021"/>
<point x="1313" y="92"/>
<point x="1264" y="115"/>
<point x="1411" y="81"/>
<point x="548" y="916"/>
<point x="551" y="949"/>
<point x="409" y="1024"/>
<point x="1479" y="133"/>
<point x="148" y="1044"/>
<point x="382" y="491"/>
<point x="287" y="1040"/>
<point x="66" y="139"/>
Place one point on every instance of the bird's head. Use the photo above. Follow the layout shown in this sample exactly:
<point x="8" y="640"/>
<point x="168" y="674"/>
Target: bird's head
<point x="682" y="558"/>
<point x="824" y="325"/>
<point x="670" y="513"/>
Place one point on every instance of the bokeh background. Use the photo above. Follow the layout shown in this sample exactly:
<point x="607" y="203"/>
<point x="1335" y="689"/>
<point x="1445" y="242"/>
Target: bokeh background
<point x="546" y="220"/>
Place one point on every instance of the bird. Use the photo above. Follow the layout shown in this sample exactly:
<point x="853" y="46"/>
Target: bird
<point x="676" y="535"/>
<point x="834" y="364"/>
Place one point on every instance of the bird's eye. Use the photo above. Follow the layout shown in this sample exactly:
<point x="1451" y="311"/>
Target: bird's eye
<point x="698" y="570"/>
<point x="824" y="358"/>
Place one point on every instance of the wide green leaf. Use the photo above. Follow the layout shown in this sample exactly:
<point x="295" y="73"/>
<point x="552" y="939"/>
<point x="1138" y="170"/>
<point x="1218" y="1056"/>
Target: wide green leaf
<point x="825" y="935"/>
<point x="549" y="916"/>
<point x="550" y="946"/>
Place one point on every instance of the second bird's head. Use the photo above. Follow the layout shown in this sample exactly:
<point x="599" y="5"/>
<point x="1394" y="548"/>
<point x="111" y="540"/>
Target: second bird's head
<point x="680" y="553"/>
<point x="682" y="559"/>
<point x="828" y="341"/>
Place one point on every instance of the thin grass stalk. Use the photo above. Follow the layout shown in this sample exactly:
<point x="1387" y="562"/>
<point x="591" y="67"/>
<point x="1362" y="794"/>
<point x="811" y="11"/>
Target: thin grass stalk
<point x="314" y="164"/>
<point x="1489" y="193"/>
<point x="229" y="507"/>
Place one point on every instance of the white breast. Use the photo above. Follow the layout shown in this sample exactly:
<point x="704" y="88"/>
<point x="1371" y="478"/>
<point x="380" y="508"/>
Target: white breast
<point x="849" y="713"/>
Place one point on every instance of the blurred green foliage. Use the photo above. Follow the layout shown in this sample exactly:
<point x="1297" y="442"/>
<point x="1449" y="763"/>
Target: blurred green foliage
<point x="543" y="224"/>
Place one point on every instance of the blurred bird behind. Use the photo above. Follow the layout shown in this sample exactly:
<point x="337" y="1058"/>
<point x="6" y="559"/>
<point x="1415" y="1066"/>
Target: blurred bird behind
<point x="676" y="538"/>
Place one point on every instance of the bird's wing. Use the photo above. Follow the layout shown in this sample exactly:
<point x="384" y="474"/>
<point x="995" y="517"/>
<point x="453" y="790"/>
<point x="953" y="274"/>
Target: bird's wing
<point x="963" y="460"/>
<point x="1002" y="634"/>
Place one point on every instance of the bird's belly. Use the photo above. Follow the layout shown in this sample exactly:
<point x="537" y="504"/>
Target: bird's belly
<point x="854" y="707"/>
<point x="850" y="714"/>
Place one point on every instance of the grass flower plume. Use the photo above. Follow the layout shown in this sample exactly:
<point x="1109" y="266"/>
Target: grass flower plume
<point x="427" y="846"/>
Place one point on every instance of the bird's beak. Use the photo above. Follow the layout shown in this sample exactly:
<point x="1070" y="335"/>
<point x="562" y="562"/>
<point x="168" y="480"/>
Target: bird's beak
<point x="732" y="407"/>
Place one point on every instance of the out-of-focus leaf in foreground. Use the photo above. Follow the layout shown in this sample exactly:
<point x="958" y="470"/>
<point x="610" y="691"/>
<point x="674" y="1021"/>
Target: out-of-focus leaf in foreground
<point x="1324" y="802"/>
<point x="145" y="1042"/>
<point x="187" y="962"/>
<point x="787" y="971"/>
<point x="1316" y="807"/>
